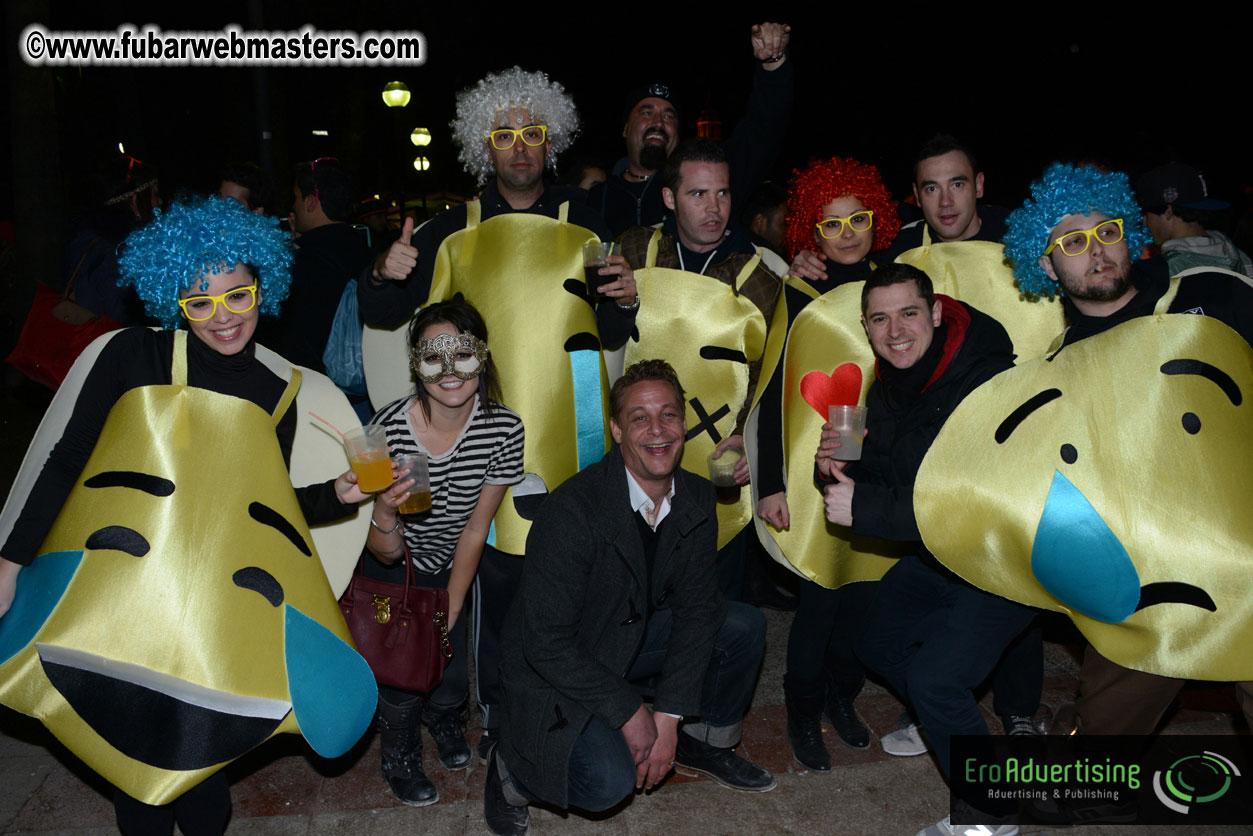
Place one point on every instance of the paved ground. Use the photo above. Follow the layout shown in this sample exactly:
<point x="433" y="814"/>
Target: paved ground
<point x="284" y="789"/>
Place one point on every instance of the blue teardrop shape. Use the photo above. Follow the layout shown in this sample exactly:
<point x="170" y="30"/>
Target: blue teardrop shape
<point x="333" y="692"/>
<point x="40" y="587"/>
<point x="1079" y="560"/>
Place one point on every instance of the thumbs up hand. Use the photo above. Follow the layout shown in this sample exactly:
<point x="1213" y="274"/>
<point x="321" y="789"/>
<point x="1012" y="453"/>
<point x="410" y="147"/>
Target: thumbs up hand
<point x="400" y="258"/>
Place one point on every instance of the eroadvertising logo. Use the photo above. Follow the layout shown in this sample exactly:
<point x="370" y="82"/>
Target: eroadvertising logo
<point x="1193" y="780"/>
<point x="1080" y="779"/>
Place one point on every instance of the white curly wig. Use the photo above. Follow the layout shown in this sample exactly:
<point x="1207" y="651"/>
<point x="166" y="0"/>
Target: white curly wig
<point x="477" y="107"/>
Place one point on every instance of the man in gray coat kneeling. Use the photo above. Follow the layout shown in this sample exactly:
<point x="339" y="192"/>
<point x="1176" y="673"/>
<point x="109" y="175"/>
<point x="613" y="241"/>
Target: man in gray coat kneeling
<point x="619" y="588"/>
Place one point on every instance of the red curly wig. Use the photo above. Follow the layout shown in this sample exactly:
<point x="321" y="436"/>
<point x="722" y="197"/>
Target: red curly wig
<point x="823" y="181"/>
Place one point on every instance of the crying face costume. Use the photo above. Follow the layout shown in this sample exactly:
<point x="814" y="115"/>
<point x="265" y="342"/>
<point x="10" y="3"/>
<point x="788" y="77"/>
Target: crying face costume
<point x="174" y="612"/>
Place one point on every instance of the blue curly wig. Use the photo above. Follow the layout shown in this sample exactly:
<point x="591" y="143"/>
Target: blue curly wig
<point x="1067" y="190"/>
<point x="200" y="236"/>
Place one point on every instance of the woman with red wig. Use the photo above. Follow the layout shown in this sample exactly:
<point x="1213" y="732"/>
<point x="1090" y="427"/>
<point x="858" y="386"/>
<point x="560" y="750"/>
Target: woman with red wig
<point x="838" y="213"/>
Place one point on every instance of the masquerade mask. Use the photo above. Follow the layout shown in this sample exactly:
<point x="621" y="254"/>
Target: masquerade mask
<point x="461" y="355"/>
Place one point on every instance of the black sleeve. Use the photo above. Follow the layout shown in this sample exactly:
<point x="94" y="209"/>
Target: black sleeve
<point x="388" y="304"/>
<point x="135" y="357"/>
<point x="770" y="452"/>
<point x="614" y="324"/>
<point x="320" y="504"/>
<point x="757" y="139"/>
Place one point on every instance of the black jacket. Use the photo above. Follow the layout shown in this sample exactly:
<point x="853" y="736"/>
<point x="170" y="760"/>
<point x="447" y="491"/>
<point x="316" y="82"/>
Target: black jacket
<point x="1227" y="298"/>
<point x="578" y="620"/>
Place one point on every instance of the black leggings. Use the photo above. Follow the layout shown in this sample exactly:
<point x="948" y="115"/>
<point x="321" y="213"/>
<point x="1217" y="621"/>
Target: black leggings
<point x="204" y="810"/>
<point x="820" y="645"/>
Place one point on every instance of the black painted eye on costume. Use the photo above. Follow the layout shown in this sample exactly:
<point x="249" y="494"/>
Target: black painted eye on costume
<point x="119" y="538"/>
<point x="145" y="482"/>
<point x="1007" y="427"/>
<point x="268" y="516"/>
<point x="261" y="582"/>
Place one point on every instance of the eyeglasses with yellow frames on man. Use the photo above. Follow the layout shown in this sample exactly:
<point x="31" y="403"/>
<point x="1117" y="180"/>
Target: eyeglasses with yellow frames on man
<point x="504" y="138"/>
<point x="1077" y="242"/>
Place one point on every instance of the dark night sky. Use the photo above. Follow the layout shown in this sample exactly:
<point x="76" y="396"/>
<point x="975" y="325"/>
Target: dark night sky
<point x="1118" y="94"/>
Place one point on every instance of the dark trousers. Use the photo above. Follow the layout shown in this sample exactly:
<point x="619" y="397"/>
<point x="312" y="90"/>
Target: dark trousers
<point x="820" y="653"/>
<point x="203" y="810"/>
<point x="602" y="771"/>
<point x="934" y="639"/>
<point x="1118" y="700"/>
<point x="1018" y="681"/>
<point x="494" y="587"/>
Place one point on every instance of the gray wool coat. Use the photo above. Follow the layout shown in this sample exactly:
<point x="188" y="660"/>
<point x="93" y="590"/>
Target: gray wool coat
<point x="577" y="622"/>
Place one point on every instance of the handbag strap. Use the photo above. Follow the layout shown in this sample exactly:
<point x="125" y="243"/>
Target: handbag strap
<point x="360" y="570"/>
<point x="69" y="286"/>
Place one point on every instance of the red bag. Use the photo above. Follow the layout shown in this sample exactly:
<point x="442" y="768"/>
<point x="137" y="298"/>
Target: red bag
<point x="400" y="629"/>
<point x="56" y="331"/>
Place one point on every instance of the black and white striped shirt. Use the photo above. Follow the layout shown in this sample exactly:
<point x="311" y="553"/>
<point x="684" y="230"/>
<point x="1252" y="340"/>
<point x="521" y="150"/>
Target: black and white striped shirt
<point x="488" y="452"/>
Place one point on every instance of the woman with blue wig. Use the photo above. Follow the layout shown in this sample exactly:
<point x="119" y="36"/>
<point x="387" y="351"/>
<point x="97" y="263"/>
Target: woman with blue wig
<point x="206" y="269"/>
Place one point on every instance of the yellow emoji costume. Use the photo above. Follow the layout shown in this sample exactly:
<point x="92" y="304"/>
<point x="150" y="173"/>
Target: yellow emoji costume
<point x="524" y="274"/>
<point x="825" y="334"/>
<point x="177" y="614"/>
<point x="1107" y="483"/>
<point x="714" y="338"/>
<point x="828" y="333"/>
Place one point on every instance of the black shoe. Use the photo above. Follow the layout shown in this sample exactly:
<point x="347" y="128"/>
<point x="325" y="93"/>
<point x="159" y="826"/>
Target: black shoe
<point x="401" y="739"/>
<point x="449" y="732"/>
<point x="489" y="739"/>
<point x="804" y="732"/>
<point x="1018" y="725"/>
<point x="722" y="765"/>
<point x="847" y="724"/>
<point x="503" y="818"/>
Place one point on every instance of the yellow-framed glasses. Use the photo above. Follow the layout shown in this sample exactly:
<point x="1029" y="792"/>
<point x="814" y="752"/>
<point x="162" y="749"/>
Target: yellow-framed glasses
<point x="1076" y="243"/>
<point x="200" y="308"/>
<point x="834" y="227"/>
<point x="504" y="138"/>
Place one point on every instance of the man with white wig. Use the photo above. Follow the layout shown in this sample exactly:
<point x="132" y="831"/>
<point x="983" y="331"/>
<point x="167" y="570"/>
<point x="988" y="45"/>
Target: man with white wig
<point x="516" y="254"/>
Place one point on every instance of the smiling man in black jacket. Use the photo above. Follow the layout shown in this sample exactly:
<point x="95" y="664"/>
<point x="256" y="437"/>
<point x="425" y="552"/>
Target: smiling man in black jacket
<point x="931" y="635"/>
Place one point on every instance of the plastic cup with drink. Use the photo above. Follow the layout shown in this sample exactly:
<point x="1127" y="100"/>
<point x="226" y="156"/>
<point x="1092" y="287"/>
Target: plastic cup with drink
<point x="595" y="256"/>
<point x="722" y="474"/>
<point x="850" y="423"/>
<point x="368" y="457"/>
<point x="420" y="494"/>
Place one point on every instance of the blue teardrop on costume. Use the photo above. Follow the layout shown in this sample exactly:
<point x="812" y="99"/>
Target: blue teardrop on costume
<point x="1079" y="560"/>
<point x="333" y="693"/>
<point x="40" y="587"/>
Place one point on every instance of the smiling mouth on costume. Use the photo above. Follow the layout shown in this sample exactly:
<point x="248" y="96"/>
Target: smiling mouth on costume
<point x="155" y="718"/>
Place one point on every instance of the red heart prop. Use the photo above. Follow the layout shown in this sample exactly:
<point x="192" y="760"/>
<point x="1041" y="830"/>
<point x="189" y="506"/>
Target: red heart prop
<point x="842" y="387"/>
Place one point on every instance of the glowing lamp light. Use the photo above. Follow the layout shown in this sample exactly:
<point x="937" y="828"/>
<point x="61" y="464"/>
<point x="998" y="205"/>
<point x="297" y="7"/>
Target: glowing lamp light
<point x="421" y="163"/>
<point x="420" y="137"/>
<point x="395" y="94"/>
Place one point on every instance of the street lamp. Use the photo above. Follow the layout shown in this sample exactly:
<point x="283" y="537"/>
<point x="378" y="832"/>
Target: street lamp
<point x="420" y="137"/>
<point x="395" y="94"/>
<point x="421" y="163"/>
